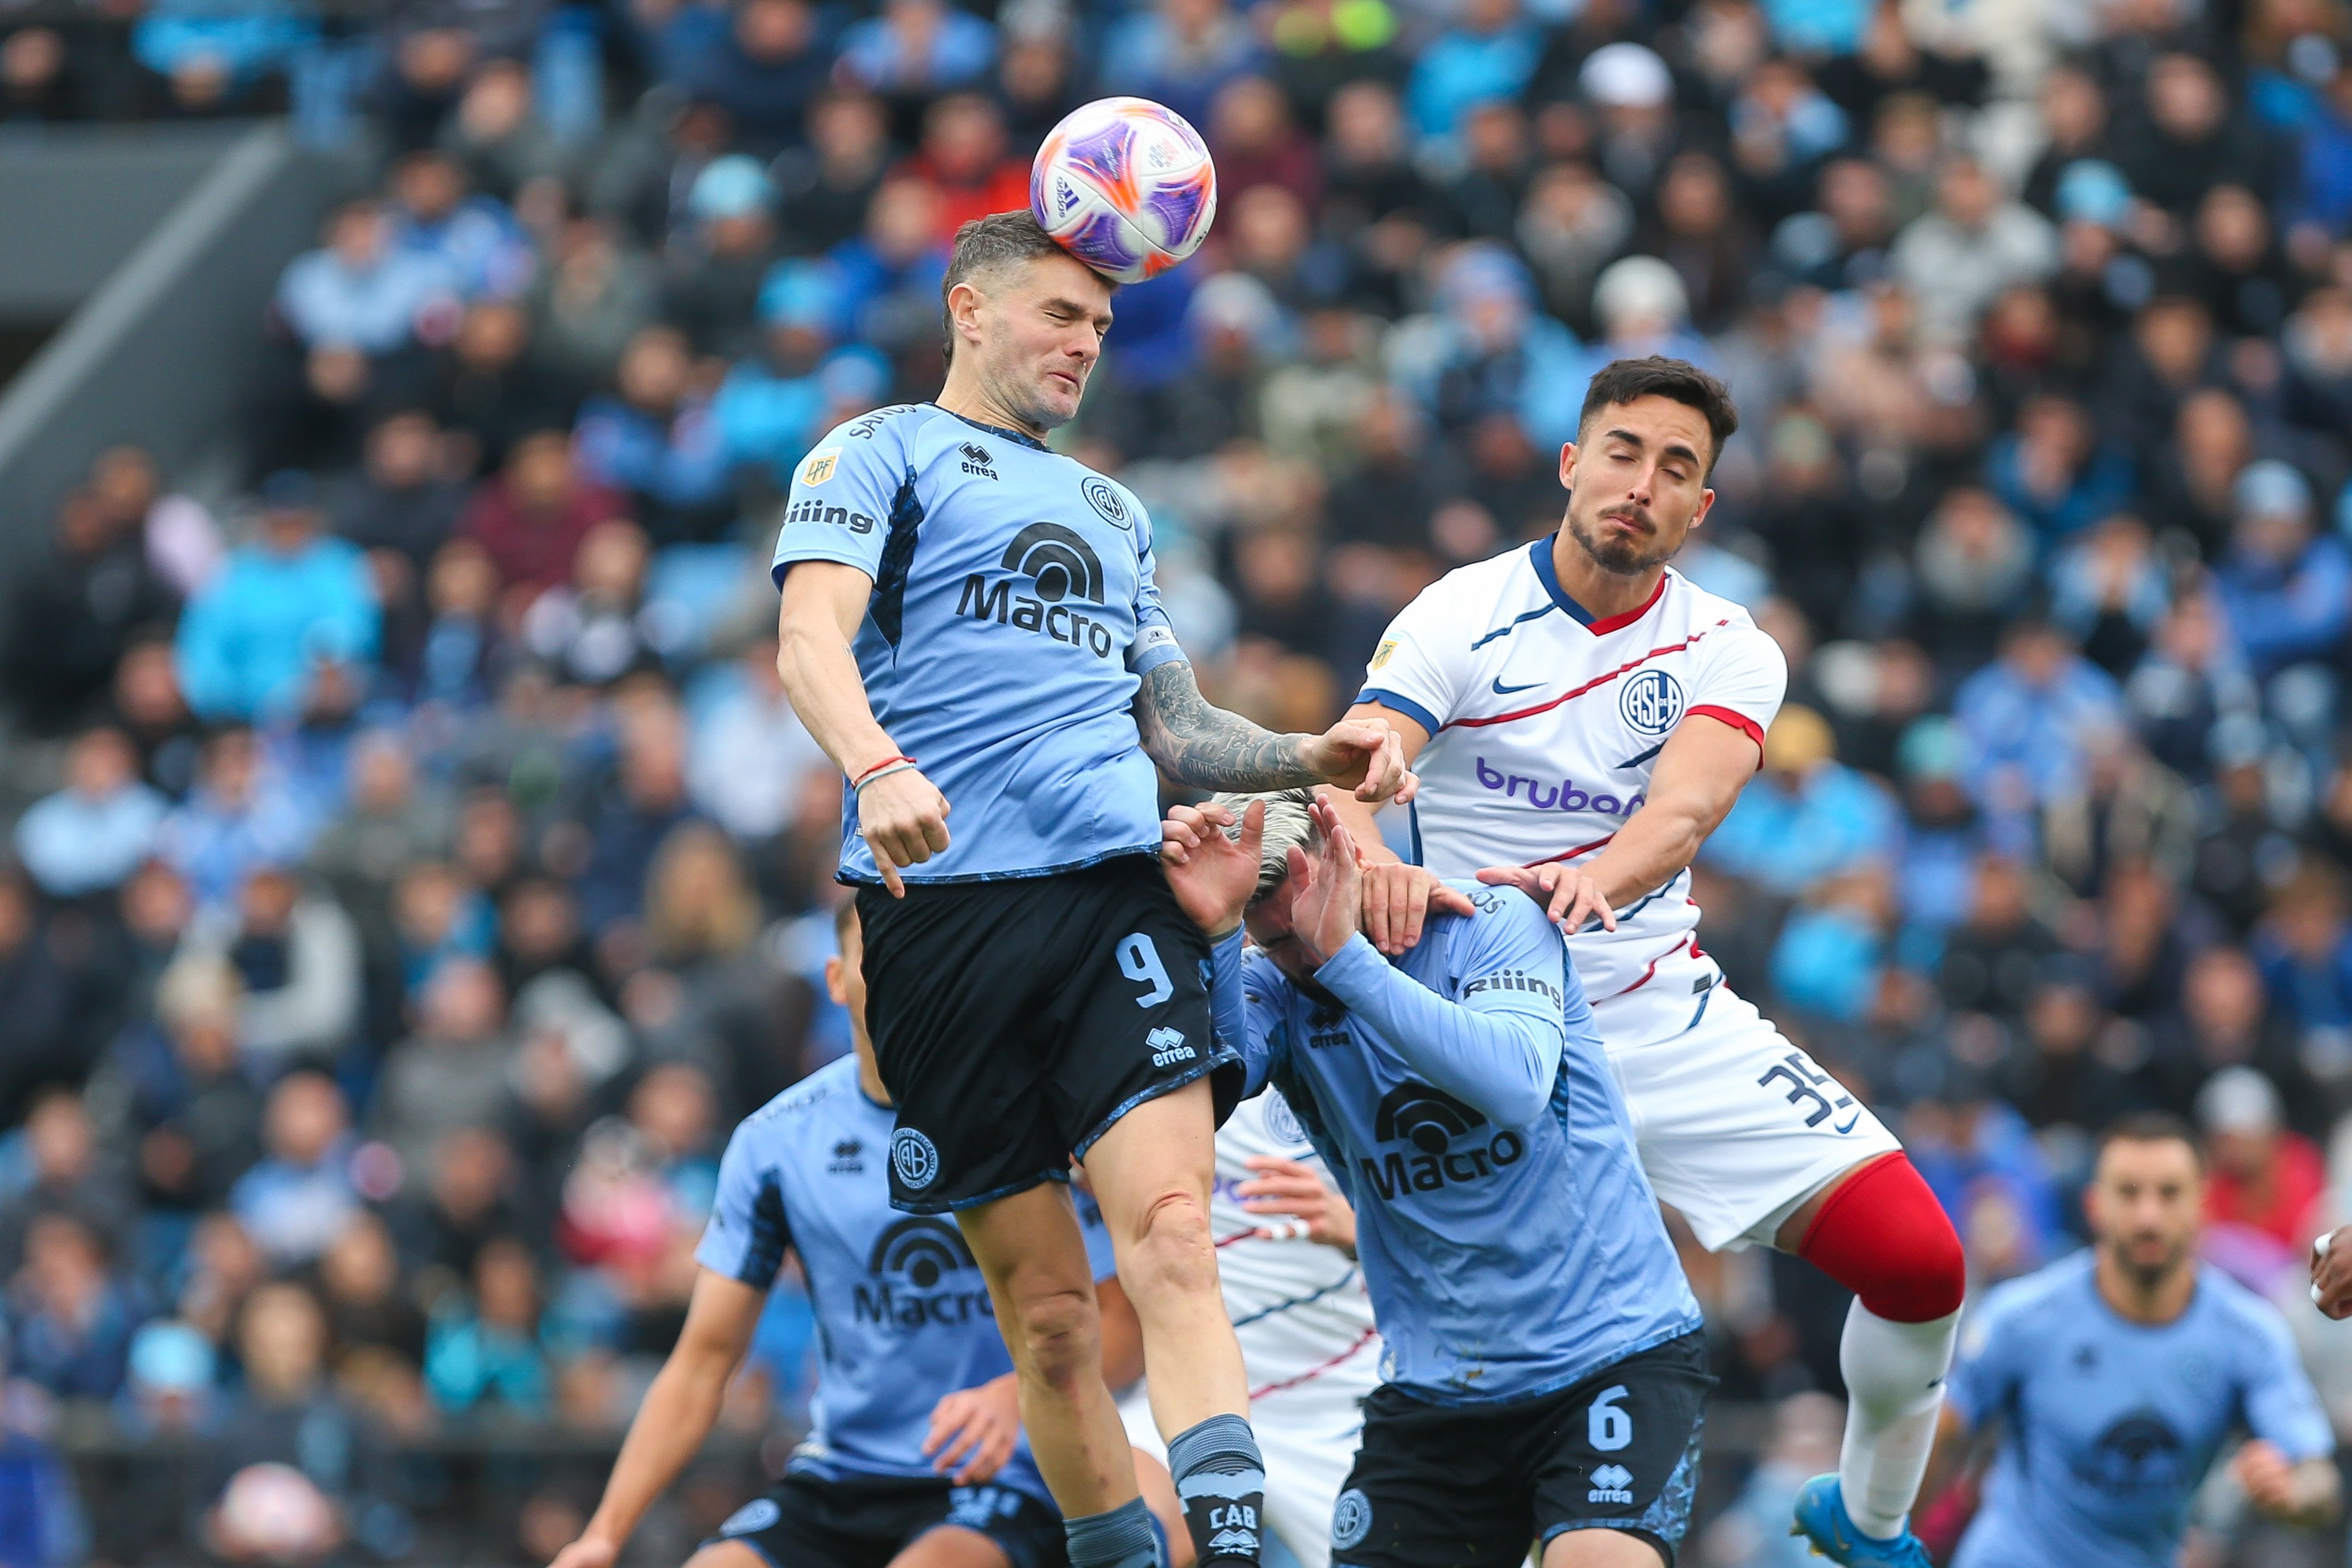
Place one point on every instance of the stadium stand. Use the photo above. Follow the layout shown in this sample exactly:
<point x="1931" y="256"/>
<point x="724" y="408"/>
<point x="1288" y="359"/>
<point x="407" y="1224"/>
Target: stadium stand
<point x="416" y="869"/>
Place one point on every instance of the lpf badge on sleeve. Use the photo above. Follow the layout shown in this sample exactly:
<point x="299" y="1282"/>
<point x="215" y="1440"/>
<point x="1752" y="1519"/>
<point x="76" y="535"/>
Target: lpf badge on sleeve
<point x="1381" y="654"/>
<point x="818" y="465"/>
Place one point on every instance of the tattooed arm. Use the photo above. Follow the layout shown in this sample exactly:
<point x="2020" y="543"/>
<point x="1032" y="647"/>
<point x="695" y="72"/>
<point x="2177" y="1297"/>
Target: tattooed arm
<point x="1210" y="748"/>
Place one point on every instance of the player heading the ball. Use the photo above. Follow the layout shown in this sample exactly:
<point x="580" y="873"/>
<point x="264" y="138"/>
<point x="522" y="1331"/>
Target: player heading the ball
<point x="969" y="625"/>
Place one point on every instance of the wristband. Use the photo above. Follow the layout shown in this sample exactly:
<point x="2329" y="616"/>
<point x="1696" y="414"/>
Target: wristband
<point x="888" y="764"/>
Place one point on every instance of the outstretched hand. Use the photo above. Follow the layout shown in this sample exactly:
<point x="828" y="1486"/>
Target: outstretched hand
<point x="1211" y="874"/>
<point x="1366" y="756"/>
<point x="973" y="1431"/>
<point x="1327" y="890"/>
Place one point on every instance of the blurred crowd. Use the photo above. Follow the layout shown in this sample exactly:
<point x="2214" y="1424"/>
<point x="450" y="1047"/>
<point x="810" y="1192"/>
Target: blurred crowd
<point x="417" y="869"/>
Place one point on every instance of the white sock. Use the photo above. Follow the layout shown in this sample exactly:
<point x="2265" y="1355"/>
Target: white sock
<point x="1895" y="1389"/>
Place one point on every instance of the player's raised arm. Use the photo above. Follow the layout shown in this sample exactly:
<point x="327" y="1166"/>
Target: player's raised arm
<point x="679" y="1409"/>
<point x="1397" y="897"/>
<point x="900" y="814"/>
<point x="1209" y="748"/>
<point x="1700" y="772"/>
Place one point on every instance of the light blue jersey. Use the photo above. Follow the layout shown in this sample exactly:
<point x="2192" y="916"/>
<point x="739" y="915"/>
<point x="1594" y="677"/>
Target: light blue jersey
<point x="903" y="1317"/>
<point x="1510" y="1243"/>
<point x="1013" y="612"/>
<point x="2110" y="1424"/>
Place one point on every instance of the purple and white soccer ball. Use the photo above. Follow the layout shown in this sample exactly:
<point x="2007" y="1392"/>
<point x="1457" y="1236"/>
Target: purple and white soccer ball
<point x="1126" y="186"/>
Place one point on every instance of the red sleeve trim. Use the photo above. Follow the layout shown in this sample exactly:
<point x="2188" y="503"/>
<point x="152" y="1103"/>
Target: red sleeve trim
<point x="1737" y="720"/>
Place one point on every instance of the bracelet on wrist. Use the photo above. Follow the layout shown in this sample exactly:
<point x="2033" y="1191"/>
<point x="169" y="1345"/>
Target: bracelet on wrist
<point x="888" y="765"/>
<point x="881" y="770"/>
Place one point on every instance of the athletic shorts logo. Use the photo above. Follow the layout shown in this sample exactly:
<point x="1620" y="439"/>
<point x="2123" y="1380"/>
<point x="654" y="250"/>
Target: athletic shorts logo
<point x="759" y="1514"/>
<point x="1282" y="1124"/>
<point x="818" y="465"/>
<point x="1104" y="498"/>
<point x="1611" y="1483"/>
<point x="914" y="1158"/>
<point x="1651" y="702"/>
<point x="1351" y="1520"/>
<point x="1168" y="1047"/>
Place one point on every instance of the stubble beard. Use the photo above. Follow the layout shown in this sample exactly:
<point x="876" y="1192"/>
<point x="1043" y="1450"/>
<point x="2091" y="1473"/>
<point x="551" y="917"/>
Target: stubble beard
<point x="1618" y="557"/>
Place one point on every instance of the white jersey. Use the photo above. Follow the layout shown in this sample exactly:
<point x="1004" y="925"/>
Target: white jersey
<point x="1544" y="725"/>
<point x="1298" y="1308"/>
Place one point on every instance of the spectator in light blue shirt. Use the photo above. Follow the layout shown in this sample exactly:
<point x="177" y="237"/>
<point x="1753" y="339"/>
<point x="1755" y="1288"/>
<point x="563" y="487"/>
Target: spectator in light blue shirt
<point x="1178" y="53"/>
<point x="94" y="832"/>
<point x="294" y="598"/>
<point x="770" y="409"/>
<point x="1809" y="817"/>
<point x="239" y="816"/>
<point x="472" y="238"/>
<point x="1489" y="53"/>
<point x="299" y="1198"/>
<point x="235" y="40"/>
<point x="918" y="47"/>
<point x="2286" y="590"/>
<point x="659" y="441"/>
<point x="359" y="291"/>
<point x="2026" y="718"/>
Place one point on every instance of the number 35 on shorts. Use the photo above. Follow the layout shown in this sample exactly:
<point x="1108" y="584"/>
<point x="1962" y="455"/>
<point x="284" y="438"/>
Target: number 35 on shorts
<point x="1814" y="1092"/>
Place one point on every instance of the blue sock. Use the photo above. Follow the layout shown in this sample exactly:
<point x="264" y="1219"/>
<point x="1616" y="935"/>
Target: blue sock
<point x="1220" y="1481"/>
<point x="1126" y="1537"/>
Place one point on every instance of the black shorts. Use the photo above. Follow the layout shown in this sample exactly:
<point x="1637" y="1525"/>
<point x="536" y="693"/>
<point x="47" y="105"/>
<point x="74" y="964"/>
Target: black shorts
<point x="863" y="1522"/>
<point x="1450" y="1486"/>
<point x="1015" y="1022"/>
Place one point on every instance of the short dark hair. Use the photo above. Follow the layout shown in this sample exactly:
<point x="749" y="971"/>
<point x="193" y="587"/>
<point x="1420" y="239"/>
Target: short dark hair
<point x="2150" y="1127"/>
<point x="1655" y="375"/>
<point x="845" y="921"/>
<point x="984" y="243"/>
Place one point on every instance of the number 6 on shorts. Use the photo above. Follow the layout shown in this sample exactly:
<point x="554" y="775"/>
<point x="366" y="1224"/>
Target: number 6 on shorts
<point x="1139" y="960"/>
<point x="1608" y="1425"/>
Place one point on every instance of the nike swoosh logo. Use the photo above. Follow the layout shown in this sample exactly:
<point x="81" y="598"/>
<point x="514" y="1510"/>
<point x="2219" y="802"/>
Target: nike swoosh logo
<point x="1503" y="691"/>
<point x="1850" y="1121"/>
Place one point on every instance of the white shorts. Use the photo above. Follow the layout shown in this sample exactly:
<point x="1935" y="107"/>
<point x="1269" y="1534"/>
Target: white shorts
<point x="1735" y="1127"/>
<point x="1308" y="1435"/>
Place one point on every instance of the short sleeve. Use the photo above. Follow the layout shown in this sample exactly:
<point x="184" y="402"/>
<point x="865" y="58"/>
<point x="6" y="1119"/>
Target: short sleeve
<point x="841" y="496"/>
<point x="747" y="1235"/>
<point x="1155" y="639"/>
<point x="1984" y="1373"/>
<point x="1739" y="677"/>
<point x="1514" y="960"/>
<point x="2281" y="1405"/>
<point x="1420" y="664"/>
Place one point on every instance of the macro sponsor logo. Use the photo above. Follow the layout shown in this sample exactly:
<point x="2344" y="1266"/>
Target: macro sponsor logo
<point x="922" y="1274"/>
<point x="1446" y="1142"/>
<point x="1060" y="565"/>
<point x="1566" y="796"/>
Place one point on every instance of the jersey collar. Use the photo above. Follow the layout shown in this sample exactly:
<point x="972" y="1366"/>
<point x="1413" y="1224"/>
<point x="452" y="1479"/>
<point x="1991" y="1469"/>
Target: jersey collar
<point x="1022" y="436"/>
<point x="1539" y="556"/>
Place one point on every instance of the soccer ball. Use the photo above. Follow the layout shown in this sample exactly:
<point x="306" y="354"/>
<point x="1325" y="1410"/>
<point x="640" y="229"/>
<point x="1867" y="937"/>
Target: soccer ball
<point x="1126" y="186"/>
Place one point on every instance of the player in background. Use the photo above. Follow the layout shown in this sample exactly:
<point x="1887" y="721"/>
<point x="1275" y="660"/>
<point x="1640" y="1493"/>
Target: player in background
<point x="969" y="622"/>
<point x="1546" y="1373"/>
<point x="1582" y="717"/>
<point x="2115" y="1373"/>
<point x="914" y="1459"/>
<point x="1285" y="1244"/>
